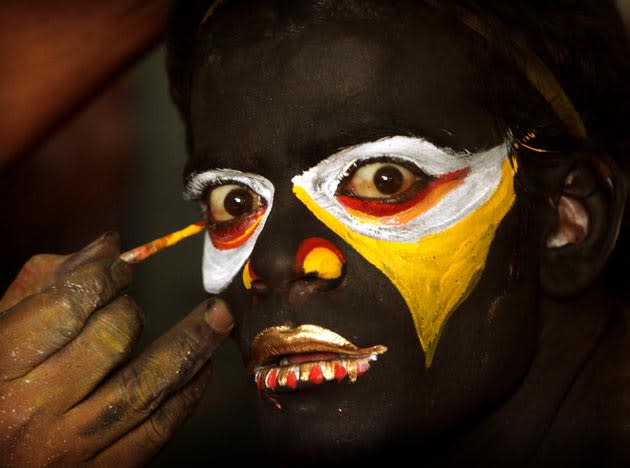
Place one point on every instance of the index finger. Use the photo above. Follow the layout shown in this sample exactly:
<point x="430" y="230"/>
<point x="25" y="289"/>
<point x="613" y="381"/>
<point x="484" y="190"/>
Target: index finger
<point x="135" y="392"/>
<point x="39" y="325"/>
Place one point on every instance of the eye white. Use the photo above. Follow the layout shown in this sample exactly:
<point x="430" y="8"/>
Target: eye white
<point x="484" y="174"/>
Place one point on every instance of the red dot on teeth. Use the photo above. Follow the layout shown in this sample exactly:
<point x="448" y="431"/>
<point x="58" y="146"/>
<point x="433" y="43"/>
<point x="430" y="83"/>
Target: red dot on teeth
<point x="340" y="372"/>
<point x="272" y="379"/>
<point x="364" y="366"/>
<point x="292" y="380"/>
<point x="316" y="376"/>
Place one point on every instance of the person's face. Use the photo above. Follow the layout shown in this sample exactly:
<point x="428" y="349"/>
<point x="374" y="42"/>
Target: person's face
<point x="421" y="247"/>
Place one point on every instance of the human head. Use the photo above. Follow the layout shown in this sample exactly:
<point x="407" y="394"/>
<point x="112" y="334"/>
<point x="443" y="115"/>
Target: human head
<point x="273" y="88"/>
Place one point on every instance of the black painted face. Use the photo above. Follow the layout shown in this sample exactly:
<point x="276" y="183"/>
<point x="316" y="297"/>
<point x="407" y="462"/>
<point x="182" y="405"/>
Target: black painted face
<point x="278" y="105"/>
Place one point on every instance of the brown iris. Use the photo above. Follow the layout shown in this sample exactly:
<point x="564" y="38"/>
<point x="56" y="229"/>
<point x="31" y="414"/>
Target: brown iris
<point x="231" y="201"/>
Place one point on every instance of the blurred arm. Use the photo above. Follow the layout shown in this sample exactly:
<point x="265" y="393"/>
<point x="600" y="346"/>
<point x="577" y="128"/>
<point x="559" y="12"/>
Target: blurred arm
<point x="55" y="55"/>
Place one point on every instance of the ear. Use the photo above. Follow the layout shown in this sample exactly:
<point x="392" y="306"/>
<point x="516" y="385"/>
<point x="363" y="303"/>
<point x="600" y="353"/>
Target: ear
<point x="589" y="209"/>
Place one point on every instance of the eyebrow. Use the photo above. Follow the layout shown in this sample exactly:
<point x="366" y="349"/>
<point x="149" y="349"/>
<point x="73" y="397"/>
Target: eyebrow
<point x="312" y="152"/>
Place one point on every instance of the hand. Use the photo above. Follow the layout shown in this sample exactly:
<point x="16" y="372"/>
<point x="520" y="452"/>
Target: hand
<point x="68" y="395"/>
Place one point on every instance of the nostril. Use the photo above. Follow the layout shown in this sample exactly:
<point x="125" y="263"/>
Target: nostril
<point x="302" y="288"/>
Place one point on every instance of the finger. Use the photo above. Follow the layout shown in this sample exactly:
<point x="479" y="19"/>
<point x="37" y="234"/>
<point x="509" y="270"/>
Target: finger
<point x="142" y="443"/>
<point x="134" y="393"/>
<point x="105" y="342"/>
<point x="42" y="270"/>
<point x="41" y="324"/>
<point x="105" y="247"/>
<point x="35" y="275"/>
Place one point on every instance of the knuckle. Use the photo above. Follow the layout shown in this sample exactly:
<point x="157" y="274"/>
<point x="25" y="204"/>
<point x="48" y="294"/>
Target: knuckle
<point x="94" y="280"/>
<point x="63" y="311"/>
<point x="117" y="334"/>
<point x="131" y="309"/>
<point x="187" y="353"/>
<point x="143" y="389"/>
<point x="159" y="427"/>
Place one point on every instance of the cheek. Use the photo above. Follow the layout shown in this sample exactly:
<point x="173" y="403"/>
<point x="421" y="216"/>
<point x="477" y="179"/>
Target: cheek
<point x="437" y="273"/>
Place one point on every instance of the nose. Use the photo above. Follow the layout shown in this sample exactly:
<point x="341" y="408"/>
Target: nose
<point x="291" y="262"/>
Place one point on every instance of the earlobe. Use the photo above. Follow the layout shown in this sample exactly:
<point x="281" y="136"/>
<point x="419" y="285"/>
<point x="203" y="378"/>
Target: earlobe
<point x="589" y="209"/>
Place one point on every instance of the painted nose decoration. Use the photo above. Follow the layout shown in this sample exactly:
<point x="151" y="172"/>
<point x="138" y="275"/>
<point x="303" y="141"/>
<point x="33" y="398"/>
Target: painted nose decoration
<point x="315" y="257"/>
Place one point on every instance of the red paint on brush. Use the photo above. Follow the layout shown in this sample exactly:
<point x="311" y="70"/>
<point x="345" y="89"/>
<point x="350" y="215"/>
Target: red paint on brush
<point x="292" y="380"/>
<point x="373" y="207"/>
<point x="310" y="244"/>
<point x="316" y="376"/>
<point x="340" y="372"/>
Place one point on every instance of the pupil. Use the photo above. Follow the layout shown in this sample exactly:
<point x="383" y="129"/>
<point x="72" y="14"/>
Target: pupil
<point x="388" y="180"/>
<point x="238" y="202"/>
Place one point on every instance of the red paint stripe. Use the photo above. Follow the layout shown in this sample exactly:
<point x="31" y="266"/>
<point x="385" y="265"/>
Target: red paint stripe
<point x="292" y="380"/>
<point x="308" y="245"/>
<point x="340" y="372"/>
<point x="376" y="208"/>
<point x="272" y="378"/>
<point x="316" y="376"/>
<point x="224" y="238"/>
<point x="252" y="273"/>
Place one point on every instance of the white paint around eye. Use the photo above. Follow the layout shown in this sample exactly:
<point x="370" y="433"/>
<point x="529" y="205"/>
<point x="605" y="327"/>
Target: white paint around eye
<point x="219" y="267"/>
<point x="322" y="180"/>
<point x="198" y="182"/>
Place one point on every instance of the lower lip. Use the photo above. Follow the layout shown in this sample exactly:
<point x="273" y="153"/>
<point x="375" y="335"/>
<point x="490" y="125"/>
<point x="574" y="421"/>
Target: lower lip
<point x="291" y="377"/>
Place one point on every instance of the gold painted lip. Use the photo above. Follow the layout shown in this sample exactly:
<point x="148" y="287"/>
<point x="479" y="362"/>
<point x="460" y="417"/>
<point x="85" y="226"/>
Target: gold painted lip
<point x="283" y="340"/>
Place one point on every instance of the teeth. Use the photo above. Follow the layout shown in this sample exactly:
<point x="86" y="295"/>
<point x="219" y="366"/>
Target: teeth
<point x="287" y="376"/>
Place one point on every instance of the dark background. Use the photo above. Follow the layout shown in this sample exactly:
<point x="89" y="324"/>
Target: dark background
<point x="118" y="166"/>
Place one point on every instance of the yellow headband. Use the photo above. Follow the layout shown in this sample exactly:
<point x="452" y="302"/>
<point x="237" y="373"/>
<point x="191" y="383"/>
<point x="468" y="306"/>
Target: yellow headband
<point x="216" y="4"/>
<point x="532" y="67"/>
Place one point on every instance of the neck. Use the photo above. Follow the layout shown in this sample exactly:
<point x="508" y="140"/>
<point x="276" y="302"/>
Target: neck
<point x="571" y="331"/>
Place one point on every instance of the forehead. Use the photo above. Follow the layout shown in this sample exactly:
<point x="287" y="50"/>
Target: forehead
<point x="282" y="101"/>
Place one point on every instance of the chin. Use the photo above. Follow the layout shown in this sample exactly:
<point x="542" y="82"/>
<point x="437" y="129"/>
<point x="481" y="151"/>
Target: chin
<point x="332" y="423"/>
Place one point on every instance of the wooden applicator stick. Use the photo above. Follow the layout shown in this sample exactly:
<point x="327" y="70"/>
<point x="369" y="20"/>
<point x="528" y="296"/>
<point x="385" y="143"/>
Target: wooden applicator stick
<point x="144" y="251"/>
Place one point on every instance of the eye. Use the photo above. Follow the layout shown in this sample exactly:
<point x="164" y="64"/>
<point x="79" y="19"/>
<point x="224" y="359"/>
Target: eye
<point x="385" y="181"/>
<point x="234" y="211"/>
<point x="392" y="192"/>
<point x="383" y="188"/>
<point x="230" y="201"/>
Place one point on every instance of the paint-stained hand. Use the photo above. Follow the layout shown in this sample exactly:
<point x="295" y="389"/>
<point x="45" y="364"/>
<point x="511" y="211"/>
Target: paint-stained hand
<point x="69" y="395"/>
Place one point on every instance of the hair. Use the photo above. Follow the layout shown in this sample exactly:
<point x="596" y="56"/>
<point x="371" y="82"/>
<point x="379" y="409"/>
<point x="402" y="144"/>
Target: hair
<point x="582" y="42"/>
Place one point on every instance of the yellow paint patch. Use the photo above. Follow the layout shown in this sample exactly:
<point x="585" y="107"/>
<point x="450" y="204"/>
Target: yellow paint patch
<point x="436" y="274"/>
<point x="324" y="262"/>
<point x="247" y="276"/>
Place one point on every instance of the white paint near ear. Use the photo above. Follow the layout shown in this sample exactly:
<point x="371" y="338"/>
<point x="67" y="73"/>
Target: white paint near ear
<point x="573" y="223"/>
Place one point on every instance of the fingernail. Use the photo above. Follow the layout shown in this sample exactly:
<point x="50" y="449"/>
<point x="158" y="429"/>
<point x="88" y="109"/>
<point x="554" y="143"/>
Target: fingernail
<point x="121" y="272"/>
<point x="218" y="317"/>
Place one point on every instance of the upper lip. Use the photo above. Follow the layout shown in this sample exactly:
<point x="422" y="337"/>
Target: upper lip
<point x="273" y="342"/>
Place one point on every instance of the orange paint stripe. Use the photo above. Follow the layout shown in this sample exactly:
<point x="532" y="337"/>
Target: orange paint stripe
<point x="237" y="241"/>
<point x="431" y="199"/>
